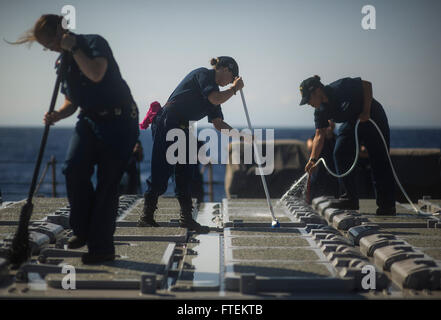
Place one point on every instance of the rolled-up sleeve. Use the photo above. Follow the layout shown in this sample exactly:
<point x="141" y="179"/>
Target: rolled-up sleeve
<point x="214" y="112"/>
<point x="321" y="118"/>
<point x="99" y="47"/>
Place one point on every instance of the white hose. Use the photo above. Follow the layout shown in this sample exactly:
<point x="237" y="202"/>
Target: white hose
<point x="390" y="162"/>
<point x="357" y="148"/>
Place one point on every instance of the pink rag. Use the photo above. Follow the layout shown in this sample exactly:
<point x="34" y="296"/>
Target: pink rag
<point x="151" y="114"/>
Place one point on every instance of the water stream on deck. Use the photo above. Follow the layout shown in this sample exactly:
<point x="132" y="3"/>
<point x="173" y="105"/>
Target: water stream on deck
<point x="298" y="189"/>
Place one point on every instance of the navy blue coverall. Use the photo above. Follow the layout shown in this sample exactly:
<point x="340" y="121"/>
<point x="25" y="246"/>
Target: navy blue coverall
<point x="188" y="102"/>
<point x="345" y="106"/>
<point x="105" y="135"/>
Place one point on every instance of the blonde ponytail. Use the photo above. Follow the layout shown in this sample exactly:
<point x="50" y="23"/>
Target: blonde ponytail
<point x="47" y="24"/>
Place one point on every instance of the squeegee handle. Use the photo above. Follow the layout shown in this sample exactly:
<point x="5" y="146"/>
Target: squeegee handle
<point x="46" y="131"/>
<point x="262" y="177"/>
<point x="246" y="110"/>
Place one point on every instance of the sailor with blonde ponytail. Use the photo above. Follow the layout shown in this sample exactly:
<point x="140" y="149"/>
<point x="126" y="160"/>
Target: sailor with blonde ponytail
<point x="105" y="133"/>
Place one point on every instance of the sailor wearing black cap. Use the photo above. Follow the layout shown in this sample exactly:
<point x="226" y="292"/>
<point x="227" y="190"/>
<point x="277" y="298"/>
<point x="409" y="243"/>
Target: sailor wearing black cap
<point x="196" y="97"/>
<point x="345" y="101"/>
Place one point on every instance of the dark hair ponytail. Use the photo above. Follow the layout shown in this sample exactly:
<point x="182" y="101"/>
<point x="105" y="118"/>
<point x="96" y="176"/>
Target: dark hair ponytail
<point x="317" y="79"/>
<point x="214" y="62"/>
<point x="227" y="62"/>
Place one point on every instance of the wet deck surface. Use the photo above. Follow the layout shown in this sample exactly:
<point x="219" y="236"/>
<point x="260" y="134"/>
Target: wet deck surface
<point x="317" y="253"/>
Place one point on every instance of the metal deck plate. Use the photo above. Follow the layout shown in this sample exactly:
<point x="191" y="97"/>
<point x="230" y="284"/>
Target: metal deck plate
<point x="412" y="231"/>
<point x="13" y="214"/>
<point x="6" y="230"/>
<point x="256" y="218"/>
<point x="158" y="217"/>
<point x="398" y="218"/>
<point x="97" y="281"/>
<point x="279" y="259"/>
<point x="256" y="215"/>
<point x="151" y="234"/>
<point x="44" y="202"/>
<point x="253" y="201"/>
<point x="424" y="241"/>
<point x="281" y="269"/>
<point x="163" y="202"/>
<point x="262" y="231"/>
<point x="296" y="254"/>
<point x="136" y="210"/>
<point x="268" y="242"/>
<point x="258" y="211"/>
<point x="134" y="260"/>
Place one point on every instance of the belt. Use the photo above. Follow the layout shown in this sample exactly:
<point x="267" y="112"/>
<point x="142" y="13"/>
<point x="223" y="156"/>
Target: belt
<point x="111" y="112"/>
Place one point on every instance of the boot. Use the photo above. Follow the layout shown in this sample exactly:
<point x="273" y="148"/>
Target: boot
<point x="76" y="242"/>
<point x="392" y="211"/>
<point x="345" y="204"/>
<point x="186" y="218"/>
<point x="146" y="219"/>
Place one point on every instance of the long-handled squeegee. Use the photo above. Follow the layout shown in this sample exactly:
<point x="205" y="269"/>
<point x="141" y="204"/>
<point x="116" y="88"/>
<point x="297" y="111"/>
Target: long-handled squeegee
<point x="20" y="249"/>
<point x="275" y="223"/>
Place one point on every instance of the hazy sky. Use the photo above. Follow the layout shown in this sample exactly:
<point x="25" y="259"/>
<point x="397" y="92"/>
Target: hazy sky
<point x="276" y="43"/>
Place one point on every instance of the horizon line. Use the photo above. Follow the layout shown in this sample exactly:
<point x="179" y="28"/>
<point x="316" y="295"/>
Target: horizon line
<point x="238" y="127"/>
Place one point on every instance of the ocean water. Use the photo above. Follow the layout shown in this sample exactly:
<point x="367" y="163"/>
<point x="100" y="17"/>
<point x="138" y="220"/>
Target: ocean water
<point x="19" y="150"/>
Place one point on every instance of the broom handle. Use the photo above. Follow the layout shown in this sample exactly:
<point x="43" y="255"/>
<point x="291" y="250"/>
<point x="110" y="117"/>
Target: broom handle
<point x="46" y="131"/>
<point x="257" y="156"/>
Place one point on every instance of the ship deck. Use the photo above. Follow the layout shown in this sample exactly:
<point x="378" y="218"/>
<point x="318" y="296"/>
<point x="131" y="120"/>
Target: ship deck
<point x="317" y="253"/>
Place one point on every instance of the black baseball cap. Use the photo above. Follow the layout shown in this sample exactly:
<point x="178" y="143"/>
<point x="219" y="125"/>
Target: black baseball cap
<point x="307" y="87"/>
<point x="230" y="63"/>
